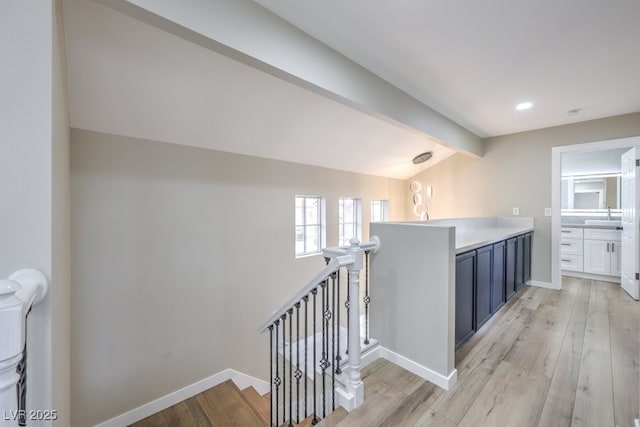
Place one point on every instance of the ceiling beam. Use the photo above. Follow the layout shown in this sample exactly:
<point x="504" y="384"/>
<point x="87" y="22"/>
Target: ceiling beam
<point x="247" y="32"/>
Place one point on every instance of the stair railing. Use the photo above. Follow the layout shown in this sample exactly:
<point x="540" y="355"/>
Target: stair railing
<point x="316" y="353"/>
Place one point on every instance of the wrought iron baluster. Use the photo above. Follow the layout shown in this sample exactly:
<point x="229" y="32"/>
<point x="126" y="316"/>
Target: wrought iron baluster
<point x="290" y="367"/>
<point x="284" y="368"/>
<point x="315" y="400"/>
<point x="277" y="380"/>
<point x="271" y="375"/>
<point x="366" y="298"/>
<point x="323" y="360"/>
<point x="338" y="357"/>
<point x="333" y="341"/>
<point x="306" y="351"/>
<point x="298" y="370"/>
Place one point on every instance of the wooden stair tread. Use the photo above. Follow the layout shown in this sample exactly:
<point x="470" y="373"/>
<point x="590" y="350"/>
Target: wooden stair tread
<point x="226" y="405"/>
<point x="334" y="418"/>
<point x="306" y="422"/>
<point x="260" y="404"/>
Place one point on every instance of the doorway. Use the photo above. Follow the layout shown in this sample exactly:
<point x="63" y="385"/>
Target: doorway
<point x="556" y="193"/>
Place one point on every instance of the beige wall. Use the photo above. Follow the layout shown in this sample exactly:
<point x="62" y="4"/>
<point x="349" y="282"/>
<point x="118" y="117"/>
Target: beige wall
<point x="179" y="254"/>
<point x="514" y="172"/>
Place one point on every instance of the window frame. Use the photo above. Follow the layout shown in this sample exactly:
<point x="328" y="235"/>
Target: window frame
<point x="357" y="220"/>
<point x="383" y="210"/>
<point x="320" y="225"/>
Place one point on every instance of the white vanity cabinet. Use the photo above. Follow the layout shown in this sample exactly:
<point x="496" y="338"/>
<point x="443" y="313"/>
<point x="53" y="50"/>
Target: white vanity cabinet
<point x="602" y="252"/>
<point x="571" y="250"/>
<point x="591" y="253"/>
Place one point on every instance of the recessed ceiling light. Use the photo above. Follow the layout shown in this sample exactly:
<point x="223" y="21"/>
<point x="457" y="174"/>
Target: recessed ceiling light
<point x="524" y="106"/>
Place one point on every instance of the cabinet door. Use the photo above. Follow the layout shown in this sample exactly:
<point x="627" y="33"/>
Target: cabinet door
<point x="497" y="278"/>
<point x="465" y="274"/>
<point x="519" y="262"/>
<point x="484" y="263"/>
<point x="527" y="257"/>
<point x="510" y="268"/>
<point x="597" y="259"/>
<point x="615" y="265"/>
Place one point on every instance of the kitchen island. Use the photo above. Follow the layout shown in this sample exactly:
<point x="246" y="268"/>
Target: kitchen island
<point x="433" y="283"/>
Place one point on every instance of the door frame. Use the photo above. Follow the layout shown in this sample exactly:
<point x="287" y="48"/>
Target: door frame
<point x="556" y="195"/>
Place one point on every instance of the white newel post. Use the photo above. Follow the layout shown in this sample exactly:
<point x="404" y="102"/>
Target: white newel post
<point x="354" y="383"/>
<point x="23" y="289"/>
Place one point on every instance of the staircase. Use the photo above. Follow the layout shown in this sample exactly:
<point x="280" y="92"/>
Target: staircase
<point x="315" y="361"/>
<point x="225" y="405"/>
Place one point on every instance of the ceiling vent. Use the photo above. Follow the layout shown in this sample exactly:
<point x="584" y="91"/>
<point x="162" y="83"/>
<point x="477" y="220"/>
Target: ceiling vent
<point x="421" y="158"/>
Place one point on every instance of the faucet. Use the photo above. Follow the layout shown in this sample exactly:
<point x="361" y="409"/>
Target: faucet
<point x="609" y="213"/>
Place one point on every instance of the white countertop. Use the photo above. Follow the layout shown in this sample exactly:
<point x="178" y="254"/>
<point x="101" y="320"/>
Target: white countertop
<point x="601" y="227"/>
<point x="469" y="239"/>
<point x="473" y="233"/>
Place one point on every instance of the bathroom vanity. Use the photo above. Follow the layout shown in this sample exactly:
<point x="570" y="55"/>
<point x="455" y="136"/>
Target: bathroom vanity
<point x="591" y="250"/>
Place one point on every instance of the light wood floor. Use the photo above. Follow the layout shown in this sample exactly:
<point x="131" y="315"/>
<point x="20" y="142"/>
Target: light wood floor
<point x="548" y="358"/>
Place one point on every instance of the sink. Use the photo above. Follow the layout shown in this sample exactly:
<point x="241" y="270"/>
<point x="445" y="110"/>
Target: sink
<point x="612" y="223"/>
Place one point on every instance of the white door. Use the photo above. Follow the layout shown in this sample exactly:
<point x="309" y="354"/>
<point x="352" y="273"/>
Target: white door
<point x="630" y="239"/>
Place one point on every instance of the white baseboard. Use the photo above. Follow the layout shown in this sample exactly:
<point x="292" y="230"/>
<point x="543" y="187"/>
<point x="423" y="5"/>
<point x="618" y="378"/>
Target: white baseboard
<point x="421" y="371"/>
<point x="545" y="285"/>
<point x="370" y="355"/>
<point x="244" y="381"/>
<point x="241" y="380"/>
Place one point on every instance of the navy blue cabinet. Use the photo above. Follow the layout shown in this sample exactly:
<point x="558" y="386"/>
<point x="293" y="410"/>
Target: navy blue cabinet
<point x="486" y="278"/>
<point x="498" y="297"/>
<point x="465" y="284"/>
<point x="484" y="265"/>
<point x="519" y="262"/>
<point x="527" y="257"/>
<point x="510" y="268"/>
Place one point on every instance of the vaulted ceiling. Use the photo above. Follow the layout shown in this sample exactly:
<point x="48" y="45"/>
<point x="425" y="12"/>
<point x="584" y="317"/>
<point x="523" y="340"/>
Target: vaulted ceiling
<point x="471" y="62"/>
<point x="475" y="60"/>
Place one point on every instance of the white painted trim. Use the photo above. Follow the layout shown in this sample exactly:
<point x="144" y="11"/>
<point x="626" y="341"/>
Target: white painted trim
<point x="241" y="380"/>
<point x="637" y="422"/>
<point x="421" y="371"/>
<point x="545" y="285"/>
<point x="556" y="202"/>
<point x="370" y="355"/>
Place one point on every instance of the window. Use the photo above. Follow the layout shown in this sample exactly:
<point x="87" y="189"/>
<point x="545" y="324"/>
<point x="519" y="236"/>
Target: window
<point x="379" y="210"/>
<point x="348" y="221"/>
<point x="309" y="225"/>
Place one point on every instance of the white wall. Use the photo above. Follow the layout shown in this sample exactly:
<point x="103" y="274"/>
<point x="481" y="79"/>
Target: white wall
<point x="413" y="294"/>
<point x="514" y="172"/>
<point x="179" y="254"/>
<point x="28" y="145"/>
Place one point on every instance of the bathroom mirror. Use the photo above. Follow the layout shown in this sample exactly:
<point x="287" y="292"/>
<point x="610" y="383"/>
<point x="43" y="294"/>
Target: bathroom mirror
<point x="590" y="192"/>
<point x="591" y="182"/>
